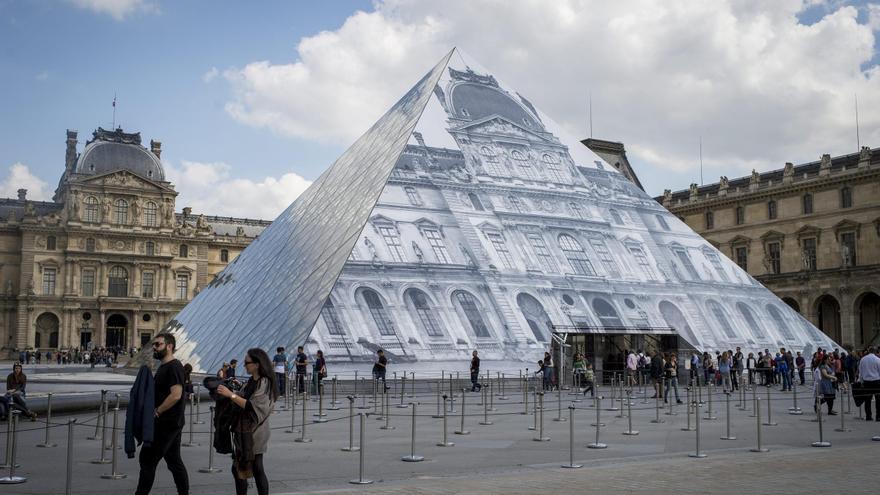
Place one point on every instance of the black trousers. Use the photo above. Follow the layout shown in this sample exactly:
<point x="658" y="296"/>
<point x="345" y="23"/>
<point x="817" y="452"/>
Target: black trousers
<point x="301" y="382"/>
<point x="872" y="389"/>
<point x="260" y="479"/>
<point x="475" y="381"/>
<point x="166" y="445"/>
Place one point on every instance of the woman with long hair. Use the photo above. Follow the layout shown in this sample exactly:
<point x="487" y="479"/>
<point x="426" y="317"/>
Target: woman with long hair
<point x="827" y="379"/>
<point x="250" y="435"/>
<point x="724" y="369"/>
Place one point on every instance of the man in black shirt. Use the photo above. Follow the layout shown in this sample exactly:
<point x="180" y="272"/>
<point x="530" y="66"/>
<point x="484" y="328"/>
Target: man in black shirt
<point x="379" y="368"/>
<point x="302" y="362"/>
<point x="230" y="373"/>
<point x="168" y="420"/>
<point x="475" y="373"/>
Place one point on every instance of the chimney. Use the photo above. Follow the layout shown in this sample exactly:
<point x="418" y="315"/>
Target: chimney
<point x="156" y="148"/>
<point x="22" y="194"/>
<point x="187" y="211"/>
<point x="70" y="156"/>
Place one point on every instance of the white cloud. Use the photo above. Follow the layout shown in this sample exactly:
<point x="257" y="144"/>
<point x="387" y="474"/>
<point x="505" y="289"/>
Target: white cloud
<point x="208" y="188"/>
<point x="42" y="76"/>
<point x="757" y="85"/>
<point x="18" y="177"/>
<point x="118" y="9"/>
<point x="210" y="75"/>
<point x="873" y="16"/>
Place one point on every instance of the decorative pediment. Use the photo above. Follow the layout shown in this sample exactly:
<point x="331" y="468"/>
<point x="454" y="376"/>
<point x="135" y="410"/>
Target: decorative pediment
<point x="487" y="226"/>
<point x="847" y="226"/>
<point x="740" y="240"/>
<point x="772" y="235"/>
<point x="381" y="220"/>
<point x="124" y="178"/>
<point x="426" y="223"/>
<point x="495" y="125"/>
<point x="808" y="231"/>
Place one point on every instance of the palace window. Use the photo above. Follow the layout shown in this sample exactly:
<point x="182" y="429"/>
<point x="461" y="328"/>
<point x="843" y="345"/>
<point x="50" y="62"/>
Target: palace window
<point x="468" y="304"/>
<point x="808" y="203"/>
<point x="90" y="245"/>
<point x="121" y="211"/>
<point x="475" y="202"/>
<point x="710" y="220"/>
<point x="605" y="256"/>
<point x="615" y="217"/>
<point x="545" y="259"/>
<point x="427" y="315"/>
<point x="437" y="245"/>
<point x="848" y="243"/>
<point x="685" y="259"/>
<point x="846" y="199"/>
<point x="772" y="211"/>
<point x="150" y="210"/>
<point x="392" y="241"/>
<point x="500" y="247"/>
<point x="774" y="257"/>
<point x="641" y="258"/>
<point x="413" y="196"/>
<point x="380" y="315"/>
<point x="490" y="160"/>
<point x="577" y="211"/>
<point x="524" y="166"/>
<point x="150" y="248"/>
<point x="662" y="222"/>
<point x="576" y="256"/>
<point x="715" y="261"/>
<point x="88" y="282"/>
<point x="91" y="209"/>
<point x="740" y="215"/>
<point x="551" y="165"/>
<point x="331" y="318"/>
<point x="147" y="282"/>
<point x="49" y="281"/>
<point x="722" y="318"/>
<point x="50" y="243"/>
<point x="742" y="258"/>
<point x="809" y="246"/>
<point x="182" y="286"/>
<point x="516" y="204"/>
<point x="117" y="282"/>
<point x="183" y="251"/>
<point x="224" y="256"/>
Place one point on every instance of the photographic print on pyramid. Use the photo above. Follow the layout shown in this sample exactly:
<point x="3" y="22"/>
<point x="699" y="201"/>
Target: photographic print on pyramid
<point x="492" y="229"/>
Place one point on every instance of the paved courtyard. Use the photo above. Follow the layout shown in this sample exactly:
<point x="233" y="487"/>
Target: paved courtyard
<point x="498" y="458"/>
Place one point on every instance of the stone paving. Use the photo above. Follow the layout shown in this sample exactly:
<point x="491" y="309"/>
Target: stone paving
<point x="502" y="457"/>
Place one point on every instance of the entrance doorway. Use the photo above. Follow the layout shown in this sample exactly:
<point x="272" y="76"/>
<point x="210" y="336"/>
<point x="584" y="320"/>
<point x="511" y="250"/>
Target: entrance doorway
<point x="869" y="318"/>
<point x="117" y="331"/>
<point x="828" y="311"/>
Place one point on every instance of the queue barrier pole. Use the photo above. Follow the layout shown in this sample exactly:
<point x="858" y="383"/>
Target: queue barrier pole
<point x="412" y="457"/>
<point x="821" y="442"/>
<point x="698" y="454"/>
<point x="445" y="443"/>
<point x="192" y="405"/>
<point x="361" y="480"/>
<point x="597" y="424"/>
<point x="114" y="475"/>
<point x="302" y="432"/>
<point x="351" y="447"/>
<point x="387" y="425"/>
<point x="12" y="478"/>
<point x="769" y="421"/>
<point x="210" y="469"/>
<point x="629" y="415"/>
<point x="68" y="480"/>
<point x="541" y="437"/>
<point x="100" y="415"/>
<point x="727" y="435"/>
<point x="759" y="447"/>
<point x="690" y="408"/>
<point x="460" y="430"/>
<point x="571" y="464"/>
<point x="47" y="444"/>
<point x="103" y="459"/>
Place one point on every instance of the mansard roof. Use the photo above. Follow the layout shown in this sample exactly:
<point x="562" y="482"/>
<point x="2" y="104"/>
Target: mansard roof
<point x="110" y="151"/>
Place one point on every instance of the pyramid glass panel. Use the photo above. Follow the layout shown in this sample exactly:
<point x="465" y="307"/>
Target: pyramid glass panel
<point x="467" y="219"/>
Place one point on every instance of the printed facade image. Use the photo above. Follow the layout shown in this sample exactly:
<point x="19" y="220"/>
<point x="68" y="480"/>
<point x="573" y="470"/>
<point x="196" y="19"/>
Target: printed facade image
<point x="493" y="229"/>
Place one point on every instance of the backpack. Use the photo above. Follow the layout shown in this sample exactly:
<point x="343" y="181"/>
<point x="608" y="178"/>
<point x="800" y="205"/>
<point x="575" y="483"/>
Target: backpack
<point x="642" y="361"/>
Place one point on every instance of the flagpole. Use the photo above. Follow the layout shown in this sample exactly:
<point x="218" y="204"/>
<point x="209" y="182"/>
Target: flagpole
<point x="114" y="112"/>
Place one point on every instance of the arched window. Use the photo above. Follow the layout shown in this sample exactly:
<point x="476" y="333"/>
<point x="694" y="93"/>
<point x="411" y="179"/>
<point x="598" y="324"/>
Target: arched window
<point x="90" y="245"/>
<point x="722" y="318"/>
<point x="554" y="171"/>
<point x="150" y="210"/>
<point x="468" y="305"/>
<point x="537" y="319"/>
<point x="184" y="251"/>
<point x="576" y="256"/>
<point x="378" y="312"/>
<point x="150" y="248"/>
<point x="120" y="208"/>
<point x="91" y="209"/>
<point x="779" y="320"/>
<point x="490" y="162"/>
<point x="224" y="256"/>
<point x="475" y="202"/>
<point x="808" y="203"/>
<point x="577" y="211"/>
<point x="522" y="164"/>
<point x="117" y="283"/>
<point x="426" y="314"/>
<point x="756" y="329"/>
<point x="846" y="198"/>
<point x="615" y="217"/>
<point x="607" y="314"/>
<point x="331" y="318"/>
<point x="676" y="320"/>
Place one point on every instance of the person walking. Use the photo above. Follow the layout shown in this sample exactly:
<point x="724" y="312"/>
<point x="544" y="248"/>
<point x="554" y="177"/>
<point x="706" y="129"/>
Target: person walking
<point x="475" y="373"/>
<point x="724" y="367"/>
<point x="380" y="367"/>
<point x="589" y="380"/>
<point x="869" y="376"/>
<point x="280" y="365"/>
<point x="578" y="366"/>
<point x="320" y="371"/>
<point x="250" y="434"/>
<point x="168" y="420"/>
<point x="784" y="373"/>
<point x="301" y="363"/>
<point x="671" y="375"/>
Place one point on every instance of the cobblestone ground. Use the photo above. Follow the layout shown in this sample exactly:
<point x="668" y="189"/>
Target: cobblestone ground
<point x="498" y="458"/>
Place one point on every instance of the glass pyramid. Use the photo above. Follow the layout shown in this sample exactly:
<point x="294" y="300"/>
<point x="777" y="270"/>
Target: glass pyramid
<point x="466" y="219"/>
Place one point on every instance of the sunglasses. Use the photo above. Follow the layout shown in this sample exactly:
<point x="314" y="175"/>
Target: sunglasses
<point x="158" y="344"/>
<point x="246" y="362"/>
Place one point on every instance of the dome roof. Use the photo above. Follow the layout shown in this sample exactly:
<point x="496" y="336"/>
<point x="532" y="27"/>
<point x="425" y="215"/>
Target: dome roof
<point x="477" y="101"/>
<point x="110" y="151"/>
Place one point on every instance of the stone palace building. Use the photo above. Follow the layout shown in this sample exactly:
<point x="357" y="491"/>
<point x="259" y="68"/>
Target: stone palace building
<point x="810" y="233"/>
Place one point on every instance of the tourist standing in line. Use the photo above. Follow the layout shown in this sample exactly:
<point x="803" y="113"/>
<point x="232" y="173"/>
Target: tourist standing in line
<point x="737" y="368"/>
<point x="548" y="369"/>
<point x="589" y="380"/>
<point x="670" y="370"/>
<point x="222" y="372"/>
<point x="782" y="368"/>
<point x="632" y="366"/>
<point x="230" y="373"/>
<point x="869" y="375"/>
<point x="475" y="373"/>
<point x="279" y="364"/>
<point x="168" y="420"/>
<point x="319" y="370"/>
<point x="301" y="363"/>
<point x="827" y="392"/>
<point x="801" y="364"/>
<point x="695" y="368"/>
<point x="657" y="373"/>
<point x="251" y="432"/>
<point x="380" y="367"/>
<point x="578" y="366"/>
<point x="724" y="370"/>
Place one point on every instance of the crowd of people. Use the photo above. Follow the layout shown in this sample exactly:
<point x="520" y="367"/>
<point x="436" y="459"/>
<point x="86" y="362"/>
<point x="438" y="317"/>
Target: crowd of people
<point x="97" y="356"/>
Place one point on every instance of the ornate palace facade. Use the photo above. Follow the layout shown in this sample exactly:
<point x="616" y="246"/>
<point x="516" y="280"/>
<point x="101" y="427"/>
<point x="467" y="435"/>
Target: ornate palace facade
<point x="810" y="233"/>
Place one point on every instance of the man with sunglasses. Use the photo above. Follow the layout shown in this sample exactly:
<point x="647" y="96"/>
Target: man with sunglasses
<point x="168" y="420"/>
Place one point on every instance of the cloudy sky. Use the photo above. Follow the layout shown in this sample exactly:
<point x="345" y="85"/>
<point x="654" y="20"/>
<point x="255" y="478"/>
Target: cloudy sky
<point x="251" y="103"/>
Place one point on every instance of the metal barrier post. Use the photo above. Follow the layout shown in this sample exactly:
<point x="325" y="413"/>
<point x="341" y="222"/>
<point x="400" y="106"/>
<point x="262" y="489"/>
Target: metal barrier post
<point x="412" y="457"/>
<point x="292" y="428"/>
<point x="46" y="443"/>
<point x="541" y="437"/>
<point x="103" y="459"/>
<point x="759" y="447"/>
<point x="363" y="396"/>
<point x="199" y="420"/>
<point x="710" y="391"/>
<point x="461" y="430"/>
<point x="113" y="474"/>
<point x="8" y="442"/>
<point x="302" y="432"/>
<point x="412" y="384"/>
<point x="821" y="442"/>
<point x="698" y="454"/>
<point x="351" y="447"/>
<point x="387" y="425"/>
<point x="690" y="408"/>
<point x="754" y="401"/>
<point x="485" y="421"/>
<point x="534" y="427"/>
<point x="491" y="396"/>
<point x="503" y="396"/>
<point x="657" y="419"/>
<point x="402" y="391"/>
<point x="11" y="478"/>
<point x="440" y="413"/>
<point x="629" y="415"/>
<point x="211" y="469"/>
<point x="192" y="404"/>
<point x="445" y="443"/>
<point x="559" y="418"/>
<point x="769" y="411"/>
<point x="68" y="480"/>
<point x="334" y="404"/>
<point x="728" y="436"/>
<point x="361" y="480"/>
<point x="525" y="392"/>
<point x="571" y="464"/>
<point x="843" y="427"/>
<point x="321" y="414"/>
<point x="597" y="424"/>
<point x="100" y="416"/>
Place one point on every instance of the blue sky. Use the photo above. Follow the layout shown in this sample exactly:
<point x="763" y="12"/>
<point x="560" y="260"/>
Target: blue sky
<point x="254" y="102"/>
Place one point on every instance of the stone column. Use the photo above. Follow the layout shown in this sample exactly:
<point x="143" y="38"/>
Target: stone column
<point x="136" y="280"/>
<point x="101" y="289"/>
<point x="101" y="330"/>
<point x="135" y="338"/>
